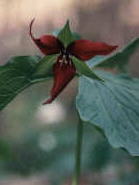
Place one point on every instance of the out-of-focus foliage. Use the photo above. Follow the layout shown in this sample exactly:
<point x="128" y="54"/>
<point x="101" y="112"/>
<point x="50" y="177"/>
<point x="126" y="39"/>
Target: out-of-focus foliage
<point x="52" y="149"/>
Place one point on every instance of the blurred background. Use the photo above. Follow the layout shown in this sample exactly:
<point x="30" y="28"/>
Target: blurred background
<point x="37" y="143"/>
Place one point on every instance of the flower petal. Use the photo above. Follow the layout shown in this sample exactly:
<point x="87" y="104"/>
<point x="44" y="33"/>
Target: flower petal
<point x="48" y="44"/>
<point x="63" y="74"/>
<point x="85" y="49"/>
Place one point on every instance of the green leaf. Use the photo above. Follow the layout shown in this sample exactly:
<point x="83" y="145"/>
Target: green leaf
<point x="113" y="106"/>
<point x="21" y="72"/>
<point x="65" y="35"/>
<point x="119" y="59"/>
<point x="83" y="69"/>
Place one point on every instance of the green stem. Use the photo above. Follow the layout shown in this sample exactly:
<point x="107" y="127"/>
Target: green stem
<point x="76" y="176"/>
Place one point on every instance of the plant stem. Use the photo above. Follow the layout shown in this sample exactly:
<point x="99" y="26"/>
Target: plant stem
<point x="76" y="176"/>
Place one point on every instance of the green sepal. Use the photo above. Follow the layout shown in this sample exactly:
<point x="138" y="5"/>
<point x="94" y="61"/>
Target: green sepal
<point x="44" y="67"/>
<point x="65" y="35"/>
<point x="76" y="35"/>
<point x="83" y="69"/>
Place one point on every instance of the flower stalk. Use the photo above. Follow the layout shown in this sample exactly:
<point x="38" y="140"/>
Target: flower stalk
<point x="78" y="154"/>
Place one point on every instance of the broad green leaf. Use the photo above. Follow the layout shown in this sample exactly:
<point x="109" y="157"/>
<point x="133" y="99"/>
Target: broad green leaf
<point x="83" y="69"/>
<point x="119" y="59"/>
<point x="21" y="72"/>
<point x="65" y="35"/>
<point x="113" y="106"/>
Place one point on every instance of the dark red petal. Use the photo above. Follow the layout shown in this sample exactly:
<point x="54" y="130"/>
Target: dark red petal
<point x="48" y="44"/>
<point x="63" y="74"/>
<point x="85" y="49"/>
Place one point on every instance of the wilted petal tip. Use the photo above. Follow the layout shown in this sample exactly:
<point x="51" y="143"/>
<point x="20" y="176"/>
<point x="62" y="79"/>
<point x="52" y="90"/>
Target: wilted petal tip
<point x="30" y="29"/>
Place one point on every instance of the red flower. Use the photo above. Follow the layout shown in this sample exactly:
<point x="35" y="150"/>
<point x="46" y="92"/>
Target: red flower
<point x="64" y="69"/>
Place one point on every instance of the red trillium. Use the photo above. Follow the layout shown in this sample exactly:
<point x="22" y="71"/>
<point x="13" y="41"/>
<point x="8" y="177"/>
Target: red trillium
<point x="64" y="69"/>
